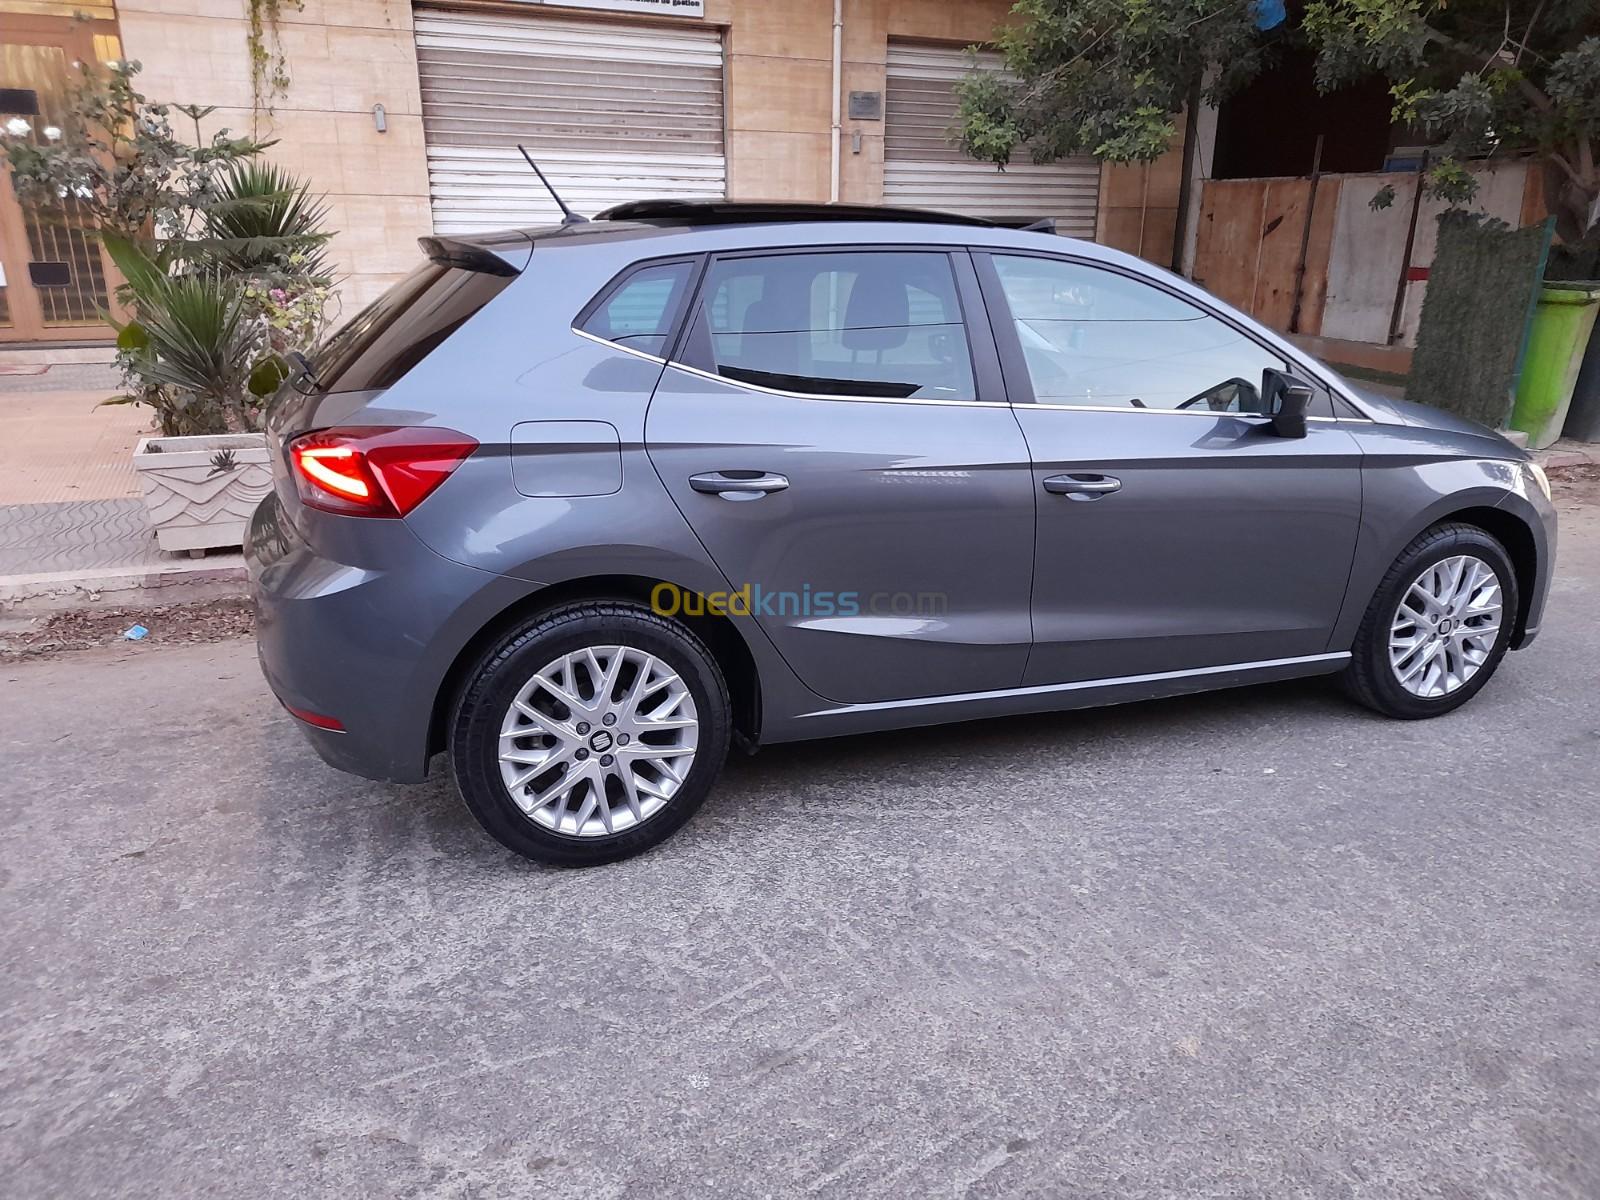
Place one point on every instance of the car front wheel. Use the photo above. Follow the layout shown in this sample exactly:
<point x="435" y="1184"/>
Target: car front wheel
<point x="590" y="733"/>
<point x="1438" y="625"/>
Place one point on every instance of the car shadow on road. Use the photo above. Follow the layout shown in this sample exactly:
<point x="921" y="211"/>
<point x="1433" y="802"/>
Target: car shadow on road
<point x="397" y="818"/>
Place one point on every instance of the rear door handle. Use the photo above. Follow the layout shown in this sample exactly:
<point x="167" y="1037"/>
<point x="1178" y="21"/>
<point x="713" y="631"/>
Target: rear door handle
<point x="1083" y="486"/>
<point x="738" y="485"/>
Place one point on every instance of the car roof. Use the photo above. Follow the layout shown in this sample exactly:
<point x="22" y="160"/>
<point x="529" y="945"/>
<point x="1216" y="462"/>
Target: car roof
<point x="742" y="212"/>
<point x="668" y="218"/>
<point x="714" y="226"/>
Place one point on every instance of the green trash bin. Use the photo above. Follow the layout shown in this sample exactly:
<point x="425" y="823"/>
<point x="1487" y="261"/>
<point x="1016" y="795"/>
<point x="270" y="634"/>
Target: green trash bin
<point x="1560" y="334"/>
<point x="1583" y="418"/>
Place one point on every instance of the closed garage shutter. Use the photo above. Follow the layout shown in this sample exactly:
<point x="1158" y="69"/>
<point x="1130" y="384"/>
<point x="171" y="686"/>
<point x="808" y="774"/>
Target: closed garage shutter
<point x="924" y="169"/>
<point x="610" y="112"/>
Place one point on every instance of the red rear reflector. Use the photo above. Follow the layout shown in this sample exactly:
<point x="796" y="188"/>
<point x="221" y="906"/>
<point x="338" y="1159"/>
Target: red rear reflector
<point x="375" y="471"/>
<point x="317" y="719"/>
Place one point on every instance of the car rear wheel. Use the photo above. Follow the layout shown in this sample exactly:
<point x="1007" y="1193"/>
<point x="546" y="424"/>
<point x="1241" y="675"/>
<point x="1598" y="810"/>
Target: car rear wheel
<point x="1438" y="625"/>
<point x="590" y="733"/>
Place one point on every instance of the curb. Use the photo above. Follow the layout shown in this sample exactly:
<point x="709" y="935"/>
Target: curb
<point x="178" y="583"/>
<point x="1566" y="456"/>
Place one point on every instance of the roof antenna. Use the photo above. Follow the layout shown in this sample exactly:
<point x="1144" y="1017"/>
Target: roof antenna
<point x="568" y="217"/>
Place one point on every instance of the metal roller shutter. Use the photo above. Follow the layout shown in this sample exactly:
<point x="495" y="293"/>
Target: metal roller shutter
<point x="611" y="112"/>
<point x="923" y="168"/>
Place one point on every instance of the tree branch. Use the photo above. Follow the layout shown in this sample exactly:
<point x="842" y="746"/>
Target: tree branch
<point x="1528" y="32"/>
<point x="1560" y="160"/>
<point x="1535" y="97"/>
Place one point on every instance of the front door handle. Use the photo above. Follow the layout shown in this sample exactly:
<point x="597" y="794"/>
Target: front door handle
<point x="738" y="485"/>
<point x="1082" y="487"/>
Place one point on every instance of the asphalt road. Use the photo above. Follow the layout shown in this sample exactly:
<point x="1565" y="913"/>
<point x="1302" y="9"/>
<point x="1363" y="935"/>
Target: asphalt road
<point x="1254" y="944"/>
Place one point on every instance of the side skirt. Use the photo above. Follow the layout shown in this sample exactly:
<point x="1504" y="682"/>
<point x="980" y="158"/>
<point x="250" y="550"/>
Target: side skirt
<point x="1055" y="697"/>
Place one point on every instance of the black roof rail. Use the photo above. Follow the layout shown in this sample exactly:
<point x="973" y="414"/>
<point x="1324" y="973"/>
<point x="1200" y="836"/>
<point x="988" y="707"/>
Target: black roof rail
<point x="735" y="212"/>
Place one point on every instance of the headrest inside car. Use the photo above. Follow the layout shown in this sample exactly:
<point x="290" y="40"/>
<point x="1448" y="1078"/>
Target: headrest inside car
<point x="877" y="313"/>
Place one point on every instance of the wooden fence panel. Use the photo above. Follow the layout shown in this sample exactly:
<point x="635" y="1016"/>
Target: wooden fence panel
<point x="1229" y="241"/>
<point x="1249" y="245"/>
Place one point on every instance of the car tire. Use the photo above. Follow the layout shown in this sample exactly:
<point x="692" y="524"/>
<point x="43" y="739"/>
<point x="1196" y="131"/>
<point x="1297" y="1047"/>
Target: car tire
<point x="1374" y="678"/>
<point x="587" y="638"/>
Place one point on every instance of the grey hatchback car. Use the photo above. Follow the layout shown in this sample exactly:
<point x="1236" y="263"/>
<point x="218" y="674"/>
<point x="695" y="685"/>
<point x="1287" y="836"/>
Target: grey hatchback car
<point x="581" y="507"/>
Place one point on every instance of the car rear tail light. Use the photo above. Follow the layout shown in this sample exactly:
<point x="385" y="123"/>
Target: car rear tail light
<point x="376" y="471"/>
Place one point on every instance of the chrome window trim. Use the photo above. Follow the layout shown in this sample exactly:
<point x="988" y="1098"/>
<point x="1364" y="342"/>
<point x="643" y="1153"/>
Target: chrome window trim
<point x="584" y="333"/>
<point x="1175" y="412"/>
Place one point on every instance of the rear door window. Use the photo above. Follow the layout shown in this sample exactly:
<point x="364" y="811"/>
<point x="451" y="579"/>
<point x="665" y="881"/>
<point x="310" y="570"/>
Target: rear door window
<point x="862" y="323"/>
<point x="403" y="326"/>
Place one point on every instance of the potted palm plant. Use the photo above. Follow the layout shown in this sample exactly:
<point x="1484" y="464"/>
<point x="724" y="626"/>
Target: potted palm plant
<point x="223" y="258"/>
<point x="207" y="345"/>
<point x="195" y="347"/>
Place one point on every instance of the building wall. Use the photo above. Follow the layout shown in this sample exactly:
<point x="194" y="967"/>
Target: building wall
<point x="345" y="56"/>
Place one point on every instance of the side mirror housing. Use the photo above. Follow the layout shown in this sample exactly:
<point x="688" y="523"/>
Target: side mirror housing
<point x="1287" y="401"/>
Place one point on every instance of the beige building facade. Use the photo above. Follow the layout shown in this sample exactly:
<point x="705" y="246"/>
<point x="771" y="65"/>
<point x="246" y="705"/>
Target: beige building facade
<point x="407" y="115"/>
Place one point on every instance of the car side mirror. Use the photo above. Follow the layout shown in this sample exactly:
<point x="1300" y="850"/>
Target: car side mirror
<point x="1287" y="400"/>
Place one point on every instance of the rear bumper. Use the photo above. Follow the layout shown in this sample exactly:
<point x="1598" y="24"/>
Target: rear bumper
<point x="364" y="629"/>
<point x="357" y="756"/>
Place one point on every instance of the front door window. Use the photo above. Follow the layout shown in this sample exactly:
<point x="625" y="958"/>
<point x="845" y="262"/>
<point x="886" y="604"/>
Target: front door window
<point x="1097" y="339"/>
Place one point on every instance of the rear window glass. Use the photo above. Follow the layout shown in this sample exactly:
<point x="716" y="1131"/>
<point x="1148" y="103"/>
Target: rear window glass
<point x="403" y="326"/>
<point x="639" y="313"/>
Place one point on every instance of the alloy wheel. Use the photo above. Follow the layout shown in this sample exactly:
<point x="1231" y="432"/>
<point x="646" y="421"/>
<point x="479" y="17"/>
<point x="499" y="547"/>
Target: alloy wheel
<point x="598" y="741"/>
<point x="1446" y="626"/>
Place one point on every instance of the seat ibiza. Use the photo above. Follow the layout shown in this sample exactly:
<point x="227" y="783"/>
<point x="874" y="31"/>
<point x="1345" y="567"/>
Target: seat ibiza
<point x="581" y="507"/>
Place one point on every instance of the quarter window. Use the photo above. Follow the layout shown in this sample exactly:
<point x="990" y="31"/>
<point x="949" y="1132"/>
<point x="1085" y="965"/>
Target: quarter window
<point x="875" y="323"/>
<point x="1099" y="339"/>
<point x="639" y="312"/>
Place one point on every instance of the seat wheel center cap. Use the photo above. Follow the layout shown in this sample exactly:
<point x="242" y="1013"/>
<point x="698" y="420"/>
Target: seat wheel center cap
<point x="1446" y="625"/>
<point x="601" y="741"/>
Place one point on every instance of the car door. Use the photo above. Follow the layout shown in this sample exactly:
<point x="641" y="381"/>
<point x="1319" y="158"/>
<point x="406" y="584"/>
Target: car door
<point x="835" y="431"/>
<point x="1176" y="530"/>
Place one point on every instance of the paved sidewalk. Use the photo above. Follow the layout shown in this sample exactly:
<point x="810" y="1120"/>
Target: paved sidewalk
<point x="57" y="377"/>
<point x="72" y="525"/>
<point x="67" y="445"/>
<point x="78" y="535"/>
<point x="1568" y="453"/>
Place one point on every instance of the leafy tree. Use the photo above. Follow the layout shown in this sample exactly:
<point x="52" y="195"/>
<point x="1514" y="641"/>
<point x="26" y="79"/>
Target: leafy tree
<point x="1104" y="77"/>
<point x="1480" y="78"/>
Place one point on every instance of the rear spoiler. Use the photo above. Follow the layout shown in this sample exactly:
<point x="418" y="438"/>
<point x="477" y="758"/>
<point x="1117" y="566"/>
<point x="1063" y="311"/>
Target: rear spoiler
<point x="469" y="256"/>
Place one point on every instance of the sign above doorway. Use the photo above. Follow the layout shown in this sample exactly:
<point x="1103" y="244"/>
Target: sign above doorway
<point x="659" y="8"/>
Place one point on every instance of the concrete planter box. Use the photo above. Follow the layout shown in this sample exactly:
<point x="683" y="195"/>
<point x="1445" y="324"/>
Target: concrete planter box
<point x="196" y="501"/>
